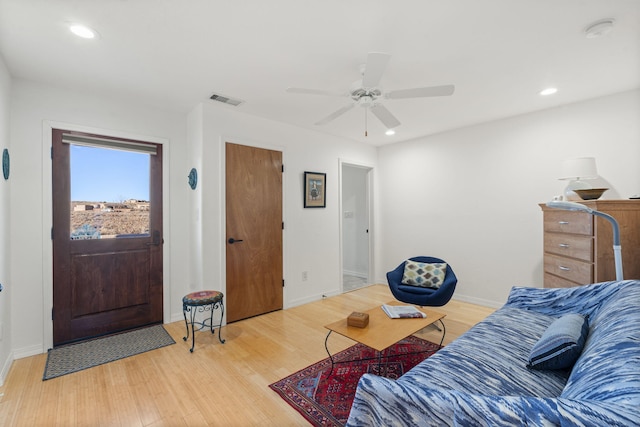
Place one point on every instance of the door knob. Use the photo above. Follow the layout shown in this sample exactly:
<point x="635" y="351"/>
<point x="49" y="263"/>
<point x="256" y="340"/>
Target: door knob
<point x="232" y="240"/>
<point x="157" y="240"/>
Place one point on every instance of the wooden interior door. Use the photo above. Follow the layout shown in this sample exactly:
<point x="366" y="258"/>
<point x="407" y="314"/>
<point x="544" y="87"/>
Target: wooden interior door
<point x="253" y="231"/>
<point x="104" y="283"/>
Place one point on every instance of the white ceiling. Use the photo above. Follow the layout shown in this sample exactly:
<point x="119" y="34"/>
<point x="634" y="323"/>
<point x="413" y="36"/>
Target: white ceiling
<point x="174" y="54"/>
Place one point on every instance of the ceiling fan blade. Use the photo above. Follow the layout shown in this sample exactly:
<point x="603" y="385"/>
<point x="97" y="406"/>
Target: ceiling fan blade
<point x="376" y="64"/>
<point x="313" y="91"/>
<point x="421" y="92"/>
<point x="385" y="116"/>
<point x="335" y="115"/>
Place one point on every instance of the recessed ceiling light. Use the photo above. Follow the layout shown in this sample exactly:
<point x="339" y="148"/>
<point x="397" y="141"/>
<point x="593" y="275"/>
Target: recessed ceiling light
<point x="82" y="31"/>
<point x="548" y="91"/>
<point x="390" y="132"/>
<point x="599" y="28"/>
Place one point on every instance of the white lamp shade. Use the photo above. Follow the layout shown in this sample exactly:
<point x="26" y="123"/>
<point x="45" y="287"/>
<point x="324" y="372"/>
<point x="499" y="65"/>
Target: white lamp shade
<point x="580" y="168"/>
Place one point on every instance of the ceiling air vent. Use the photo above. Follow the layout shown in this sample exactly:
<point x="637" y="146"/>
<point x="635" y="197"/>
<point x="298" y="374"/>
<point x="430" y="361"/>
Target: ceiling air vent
<point x="226" y="100"/>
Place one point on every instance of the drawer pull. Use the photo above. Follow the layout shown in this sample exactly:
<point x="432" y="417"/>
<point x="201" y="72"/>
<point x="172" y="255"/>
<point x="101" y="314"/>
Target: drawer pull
<point x="563" y="268"/>
<point x="564" y="245"/>
<point x="563" y="222"/>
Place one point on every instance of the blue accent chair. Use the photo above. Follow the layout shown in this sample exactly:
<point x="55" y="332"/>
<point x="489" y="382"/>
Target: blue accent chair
<point x="422" y="296"/>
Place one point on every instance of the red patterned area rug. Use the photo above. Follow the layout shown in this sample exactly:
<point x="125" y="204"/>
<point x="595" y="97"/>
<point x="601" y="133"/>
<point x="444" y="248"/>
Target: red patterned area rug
<point x="325" y="400"/>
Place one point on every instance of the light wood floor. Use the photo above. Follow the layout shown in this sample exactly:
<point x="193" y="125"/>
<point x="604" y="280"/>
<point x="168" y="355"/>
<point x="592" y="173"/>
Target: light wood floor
<point x="219" y="384"/>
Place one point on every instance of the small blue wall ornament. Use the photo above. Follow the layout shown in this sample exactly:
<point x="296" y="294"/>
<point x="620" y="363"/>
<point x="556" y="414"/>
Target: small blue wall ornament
<point x="193" y="178"/>
<point x="5" y="163"/>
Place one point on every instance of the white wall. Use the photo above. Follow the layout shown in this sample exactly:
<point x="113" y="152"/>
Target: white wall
<point x="5" y="266"/>
<point x="195" y="139"/>
<point x="32" y="107"/>
<point x="471" y="196"/>
<point x="311" y="236"/>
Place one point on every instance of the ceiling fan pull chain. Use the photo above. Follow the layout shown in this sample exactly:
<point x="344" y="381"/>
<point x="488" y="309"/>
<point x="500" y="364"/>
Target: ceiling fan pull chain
<point x="365" y="123"/>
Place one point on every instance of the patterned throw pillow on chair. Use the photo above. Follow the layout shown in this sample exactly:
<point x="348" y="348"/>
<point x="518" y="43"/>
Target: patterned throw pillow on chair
<point x="424" y="274"/>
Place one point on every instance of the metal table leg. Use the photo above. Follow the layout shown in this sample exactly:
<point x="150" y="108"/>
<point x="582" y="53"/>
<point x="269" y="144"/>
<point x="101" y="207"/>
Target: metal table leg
<point x="192" y="310"/>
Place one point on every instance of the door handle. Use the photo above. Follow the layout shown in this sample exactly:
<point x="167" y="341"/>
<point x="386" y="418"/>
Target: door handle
<point x="157" y="241"/>
<point x="232" y="240"/>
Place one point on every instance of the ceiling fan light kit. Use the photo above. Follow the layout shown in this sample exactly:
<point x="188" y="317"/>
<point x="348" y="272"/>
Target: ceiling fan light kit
<point x="548" y="91"/>
<point x="82" y="31"/>
<point x="599" y="28"/>
<point x="368" y="94"/>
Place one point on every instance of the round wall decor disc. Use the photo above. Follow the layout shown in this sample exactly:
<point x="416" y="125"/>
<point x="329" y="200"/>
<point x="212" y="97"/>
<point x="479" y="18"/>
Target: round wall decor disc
<point x="193" y="178"/>
<point x="5" y="163"/>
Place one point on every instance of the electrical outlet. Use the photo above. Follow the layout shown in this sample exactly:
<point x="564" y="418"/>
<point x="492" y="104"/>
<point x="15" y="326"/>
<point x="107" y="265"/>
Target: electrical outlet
<point x="305" y="276"/>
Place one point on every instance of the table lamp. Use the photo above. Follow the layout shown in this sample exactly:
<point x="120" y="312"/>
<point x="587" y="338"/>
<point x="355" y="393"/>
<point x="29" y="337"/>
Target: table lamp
<point x="576" y="170"/>
<point x="617" y="249"/>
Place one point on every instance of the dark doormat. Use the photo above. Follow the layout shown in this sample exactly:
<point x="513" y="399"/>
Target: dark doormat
<point x="77" y="357"/>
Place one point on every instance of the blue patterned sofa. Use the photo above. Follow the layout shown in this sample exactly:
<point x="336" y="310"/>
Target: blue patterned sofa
<point x="481" y="379"/>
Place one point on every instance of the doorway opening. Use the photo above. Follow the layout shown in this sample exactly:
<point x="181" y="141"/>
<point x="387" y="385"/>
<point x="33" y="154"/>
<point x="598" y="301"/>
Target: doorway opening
<point x="355" y="218"/>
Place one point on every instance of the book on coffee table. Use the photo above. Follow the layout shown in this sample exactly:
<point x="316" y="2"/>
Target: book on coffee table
<point x="402" y="312"/>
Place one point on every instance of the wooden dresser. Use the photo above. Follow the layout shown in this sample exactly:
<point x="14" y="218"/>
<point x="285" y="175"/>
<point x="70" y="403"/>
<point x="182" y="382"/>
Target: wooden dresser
<point x="578" y="247"/>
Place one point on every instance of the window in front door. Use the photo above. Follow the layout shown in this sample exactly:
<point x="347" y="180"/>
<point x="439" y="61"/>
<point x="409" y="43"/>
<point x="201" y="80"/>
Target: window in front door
<point x="109" y="193"/>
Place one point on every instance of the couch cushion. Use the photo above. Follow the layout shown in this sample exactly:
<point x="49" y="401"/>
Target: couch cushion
<point x="561" y="344"/>
<point x="423" y="274"/>
<point x="608" y="369"/>
<point x="491" y="358"/>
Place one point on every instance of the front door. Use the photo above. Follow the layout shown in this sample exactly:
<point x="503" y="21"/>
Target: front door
<point x="107" y="235"/>
<point x="253" y="231"/>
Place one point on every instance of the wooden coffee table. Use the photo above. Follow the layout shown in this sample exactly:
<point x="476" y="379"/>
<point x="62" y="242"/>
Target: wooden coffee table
<point x="382" y="332"/>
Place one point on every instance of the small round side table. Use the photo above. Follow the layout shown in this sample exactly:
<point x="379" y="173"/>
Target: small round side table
<point x="202" y="301"/>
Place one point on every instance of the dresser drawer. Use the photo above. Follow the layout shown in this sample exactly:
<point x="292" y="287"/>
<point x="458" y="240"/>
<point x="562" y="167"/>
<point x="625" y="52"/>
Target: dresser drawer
<point x="551" y="281"/>
<point x="574" y="270"/>
<point x="559" y="221"/>
<point x="569" y="245"/>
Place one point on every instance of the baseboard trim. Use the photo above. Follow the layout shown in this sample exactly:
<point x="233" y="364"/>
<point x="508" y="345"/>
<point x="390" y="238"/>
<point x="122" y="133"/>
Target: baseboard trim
<point x="477" y="301"/>
<point x="33" y="350"/>
<point x="312" y="298"/>
<point x="176" y="317"/>
<point x="6" y="367"/>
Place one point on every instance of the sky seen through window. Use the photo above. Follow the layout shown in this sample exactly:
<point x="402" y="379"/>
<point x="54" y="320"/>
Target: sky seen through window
<point x="108" y="175"/>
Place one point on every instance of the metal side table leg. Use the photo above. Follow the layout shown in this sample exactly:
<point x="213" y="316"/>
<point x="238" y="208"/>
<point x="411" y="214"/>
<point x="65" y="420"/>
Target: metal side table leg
<point x="327" y="348"/>
<point x="214" y="306"/>
<point x="192" y="315"/>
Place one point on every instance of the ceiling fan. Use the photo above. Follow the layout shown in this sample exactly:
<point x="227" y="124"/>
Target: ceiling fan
<point x="368" y="94"/>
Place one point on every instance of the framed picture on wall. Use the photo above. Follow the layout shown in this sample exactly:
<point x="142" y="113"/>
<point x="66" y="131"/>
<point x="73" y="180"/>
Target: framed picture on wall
<point x="315" y="195"/>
